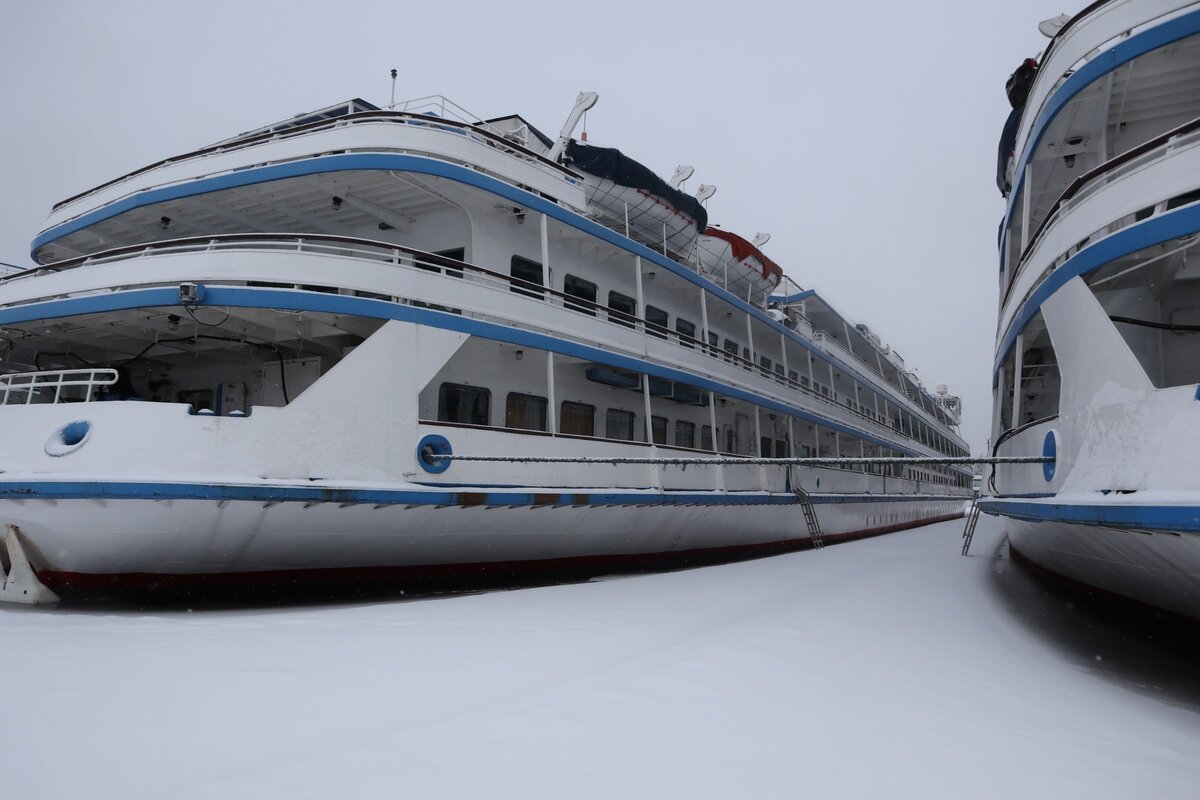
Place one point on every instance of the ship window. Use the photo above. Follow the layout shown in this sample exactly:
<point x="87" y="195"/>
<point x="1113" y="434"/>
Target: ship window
<point x="525" y="411"/>
<point x="622" y="309"/>
<point x="779" y="372"/>
<point x="578" y="419"/>
<point x="732" y="348"/>
<point x="781" y="449"/>
<point x="456" y="253"/>
<point x="706" y="440"/>
<point x="525" y="270"/>
<point x="803" y="379"/>
<point x="747" y="362"/>
<point x="764" y="447"/>
<point x="714" y="342"/>
<point x="585" y="290"/>
<point x="466" y="404"/>
<point x="685" y="434"/>
<point x="686" y="331"/>
<point x="765" y="366"/>
<point x="658" y="429"/>
<point x="657" y="322"/>
<point x="618" y="424"/>
<point x="1005" y="388"/>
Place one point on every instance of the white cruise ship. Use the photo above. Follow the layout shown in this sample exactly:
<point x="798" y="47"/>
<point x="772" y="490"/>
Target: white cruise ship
<point x="255" y="362"/>
<point x="1098" y="352"/>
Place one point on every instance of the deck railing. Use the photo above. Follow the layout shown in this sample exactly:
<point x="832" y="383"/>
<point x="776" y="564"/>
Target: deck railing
<point x="81" y="384"/>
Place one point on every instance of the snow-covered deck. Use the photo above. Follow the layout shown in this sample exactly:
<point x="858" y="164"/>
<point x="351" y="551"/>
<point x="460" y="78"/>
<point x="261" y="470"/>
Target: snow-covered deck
<point x="891" y="667"/>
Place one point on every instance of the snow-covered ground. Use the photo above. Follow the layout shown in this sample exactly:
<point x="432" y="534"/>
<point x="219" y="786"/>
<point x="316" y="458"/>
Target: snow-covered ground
<point x="888" y="668"/>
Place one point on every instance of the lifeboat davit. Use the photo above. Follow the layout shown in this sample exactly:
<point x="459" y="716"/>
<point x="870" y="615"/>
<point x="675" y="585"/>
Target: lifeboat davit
<point x="730" y="261"/>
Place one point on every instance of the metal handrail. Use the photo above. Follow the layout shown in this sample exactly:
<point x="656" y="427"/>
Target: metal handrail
<point x="34" y="383"/>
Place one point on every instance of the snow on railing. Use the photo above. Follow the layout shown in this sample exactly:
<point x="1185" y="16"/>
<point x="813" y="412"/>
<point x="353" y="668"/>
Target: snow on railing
<point x="22" y="387"/>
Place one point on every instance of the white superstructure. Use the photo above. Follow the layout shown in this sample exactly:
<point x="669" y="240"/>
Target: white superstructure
<point x="243" y="361"/>
<point x="1098" y="356"/>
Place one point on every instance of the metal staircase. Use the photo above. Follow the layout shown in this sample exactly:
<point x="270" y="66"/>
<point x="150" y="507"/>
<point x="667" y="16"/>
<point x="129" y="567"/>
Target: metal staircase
<point x="810" y="518"/>
<point x="972" y="518"/>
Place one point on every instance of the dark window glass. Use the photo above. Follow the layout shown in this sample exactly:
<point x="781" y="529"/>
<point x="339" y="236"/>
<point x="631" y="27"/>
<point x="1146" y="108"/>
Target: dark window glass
<point x="586" y="290"/>
<point x="764" y="364"/>
<point x="685" y="328"/>
<point x="685" y="434"/>
<point x="577" y="418"/>
<point x="732" y="348"/>
<point x="525" y="411"/>
<point x="458" y="254"/>
<point x="706" y="437"/>
<point x="526" y="270"/>
<point x="622" y="309"/>
<point x="747" y="363"/>
<point x="658" y="429"/>
<point x="657" y="322"/>
<point x="714" y="342"/>
<point x="764" y="447"/>
<point x="619" y="424"/>
<point x="468" y="404"/>
<point x="781" y="449"/>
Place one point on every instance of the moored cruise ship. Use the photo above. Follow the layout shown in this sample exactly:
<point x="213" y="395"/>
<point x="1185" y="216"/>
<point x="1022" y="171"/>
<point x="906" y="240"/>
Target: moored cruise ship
<point x="1097" y="364"/>
<point x="259" y="360"/>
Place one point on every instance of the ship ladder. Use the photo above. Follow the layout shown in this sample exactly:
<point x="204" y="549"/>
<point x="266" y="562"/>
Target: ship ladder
<point x="810" y="518"/>
<point x="969" y="530"/>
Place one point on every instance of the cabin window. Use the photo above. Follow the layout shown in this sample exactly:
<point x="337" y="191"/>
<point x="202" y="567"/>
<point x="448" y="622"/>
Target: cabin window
<point x="1040" y="379"/>
<point x="764" y="364"/>
<point x="658" y="429"/>
<point x="618" y="424"/>
<point x="456" y="253"/>
<point x="465" y="404"/>
<point x="747" y="362"/>
<point x="578" y="419"/>
<point x="1006" y="390"/>
<point x="622" y="309"/>
<point x="731" y="348"/>
<point x="685" y="434"/>
<point x="779" y="373"/>
<point x="714" y="342"/>
<point x="686" y="331"/>
<point x="584" y="290"/>
<point x="764" y="447"/>
<point x="706" y="440"/>
<point x="657" y="322"/>
<point x="794" y="377"/>
<point x="530" y="271"/>
<point x="781" y="449"/>
<point x="525" y="411"/>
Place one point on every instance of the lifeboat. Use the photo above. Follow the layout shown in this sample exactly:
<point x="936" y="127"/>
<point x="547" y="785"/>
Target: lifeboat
<point x="615" y="184"/>
<point x="730" y="261"/>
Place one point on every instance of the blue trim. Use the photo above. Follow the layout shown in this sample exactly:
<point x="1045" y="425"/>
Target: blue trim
<point x="293" y="300"/>
<point x="428" y="166"/>
<point x="137" y="490"/>
<point x="792" y="298"/>
<point x="1177" y="519"/>
<point x="1155" y="230"/>
<point x="1108" y="61"/>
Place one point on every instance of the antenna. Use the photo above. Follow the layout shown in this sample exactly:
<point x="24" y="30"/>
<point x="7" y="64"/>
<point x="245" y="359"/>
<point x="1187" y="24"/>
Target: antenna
<point x="682" y="173"/>
<point x="705" y="191"/>
<point x="760" y="239"/>
<point x="393" y="105"/>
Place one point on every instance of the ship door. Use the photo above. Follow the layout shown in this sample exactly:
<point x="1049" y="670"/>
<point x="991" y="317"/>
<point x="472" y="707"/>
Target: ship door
<point x="741" y="433"/>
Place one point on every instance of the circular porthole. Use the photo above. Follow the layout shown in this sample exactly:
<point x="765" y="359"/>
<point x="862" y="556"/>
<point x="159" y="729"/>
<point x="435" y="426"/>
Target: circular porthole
<point x="428" y="450"/>
<point x="1050" y="451"/>
<point x="68" y="438"/>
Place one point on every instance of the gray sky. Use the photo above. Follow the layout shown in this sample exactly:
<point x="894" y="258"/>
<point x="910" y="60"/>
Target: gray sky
<point x="863" y="137"/>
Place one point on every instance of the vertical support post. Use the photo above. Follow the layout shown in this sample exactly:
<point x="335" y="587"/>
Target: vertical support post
<point x="750" y="345"/>
<point x="552" y="410"/>
<point x="704" y="318"/>
<point x="783" y="355"/>
<point x="640" y="311"/>
<point x="545" y="253"/>
<point x="762" y="470"/>
<point x="832" y="385"/>
<point x="1025" y="195"/>
<point x="1018" y="368"/>
<point x="655" y="469"/>
<point x="719" y="484"/>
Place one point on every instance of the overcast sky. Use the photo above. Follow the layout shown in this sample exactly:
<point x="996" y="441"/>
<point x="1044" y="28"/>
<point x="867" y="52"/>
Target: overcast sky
<point x="862" y="136"/>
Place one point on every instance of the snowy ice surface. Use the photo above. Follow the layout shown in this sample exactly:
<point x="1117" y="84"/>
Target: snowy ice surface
<point x="887" y="668"/>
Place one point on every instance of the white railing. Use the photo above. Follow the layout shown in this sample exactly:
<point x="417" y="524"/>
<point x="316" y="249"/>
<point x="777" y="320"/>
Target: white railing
<point x="22" y="387"/>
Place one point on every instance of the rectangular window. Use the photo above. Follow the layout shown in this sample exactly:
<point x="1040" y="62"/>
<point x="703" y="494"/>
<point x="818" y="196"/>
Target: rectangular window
<point x="619" y="424"/>
<point x="466" y="404"/>
<point x="585" y="290"/>
<point x="658" y="429"/>
<point x="764" y="447"/>
<point x="525" y="411"/>
<point x="456" y="253"/>
<point x="685" y="434"/>
<point x="764" y="364"/>
<point x="731" y="348"/>
<point x="714" y="342"/>
<point x="706" y="437"/>
<point x="622" y="309"/>
<point x="578" y="419"/>
<point x="747" y="362"/>
<point x="781" y="449"/>
<point x="529" y="271"/>
<point x="657" y="322"/>
<point x="686" y="331"/>
<point x="794" y="376"/>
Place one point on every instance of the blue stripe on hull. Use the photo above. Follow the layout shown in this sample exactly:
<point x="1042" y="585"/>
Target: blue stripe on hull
<point x="1150" y="518"/>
